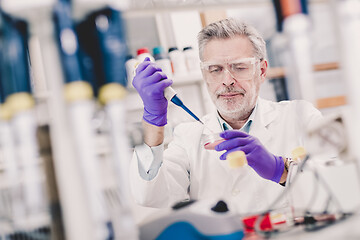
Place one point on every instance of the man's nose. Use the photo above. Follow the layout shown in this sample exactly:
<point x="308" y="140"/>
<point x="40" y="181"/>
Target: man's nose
<point x="228" y="78"/>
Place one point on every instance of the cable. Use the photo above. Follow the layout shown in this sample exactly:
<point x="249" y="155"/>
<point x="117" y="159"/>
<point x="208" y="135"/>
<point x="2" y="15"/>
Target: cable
<point x="280" y="197"/>
<point x="327" y="188"/>
<point x="314" y="195"/>
<point x="309" y="219"/>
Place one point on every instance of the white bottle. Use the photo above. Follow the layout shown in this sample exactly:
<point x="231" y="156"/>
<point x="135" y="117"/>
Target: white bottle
<point x="143" y="53"/>
<point x="163" y="61"/>
<point x="178" y="61"/>
<point x="130" y="66"/>
<point x="191" y="59"/>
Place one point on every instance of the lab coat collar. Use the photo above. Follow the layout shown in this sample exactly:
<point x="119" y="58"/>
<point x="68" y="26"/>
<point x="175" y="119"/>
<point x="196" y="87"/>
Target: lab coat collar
<point x="246" y="127"/>
<point x="265" y="113"/>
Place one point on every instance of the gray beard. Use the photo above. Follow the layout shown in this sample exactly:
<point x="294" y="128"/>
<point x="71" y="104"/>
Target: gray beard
<point x="241" y="110"/>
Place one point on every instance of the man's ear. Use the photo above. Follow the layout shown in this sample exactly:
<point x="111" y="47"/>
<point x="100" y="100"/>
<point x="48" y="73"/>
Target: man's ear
<point x="263" y="69"/>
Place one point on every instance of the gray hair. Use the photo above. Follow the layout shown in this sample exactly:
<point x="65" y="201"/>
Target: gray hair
<point x="229" y="28"/>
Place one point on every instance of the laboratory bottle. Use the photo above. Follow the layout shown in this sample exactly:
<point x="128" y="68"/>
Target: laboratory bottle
<point x="143" y="53"/>
<point x="163" y="61"/>
<point x="130" y="66"/>
<point x="191" y="59"/>
<point x="178" y="61"/>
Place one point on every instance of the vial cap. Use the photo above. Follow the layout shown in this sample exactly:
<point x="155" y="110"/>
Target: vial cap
<point x="142" y="50"/>
<point x="158" y="50"/>
<point x="173" y="49"/>
<point x="129" y="57"/>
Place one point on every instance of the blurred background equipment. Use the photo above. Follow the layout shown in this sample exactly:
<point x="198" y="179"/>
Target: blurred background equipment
<point x="89" y="190"/>
<point x="25" y="206"/>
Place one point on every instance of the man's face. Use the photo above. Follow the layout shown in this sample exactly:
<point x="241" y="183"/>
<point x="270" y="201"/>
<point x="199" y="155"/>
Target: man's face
<point x="233" y="76"/>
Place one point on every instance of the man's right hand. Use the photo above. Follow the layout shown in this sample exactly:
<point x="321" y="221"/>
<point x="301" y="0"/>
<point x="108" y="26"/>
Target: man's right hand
<point x="150" y="83"/>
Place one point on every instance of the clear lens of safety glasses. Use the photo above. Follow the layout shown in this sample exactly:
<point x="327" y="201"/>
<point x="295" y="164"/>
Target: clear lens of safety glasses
<point x="240" y="69"/>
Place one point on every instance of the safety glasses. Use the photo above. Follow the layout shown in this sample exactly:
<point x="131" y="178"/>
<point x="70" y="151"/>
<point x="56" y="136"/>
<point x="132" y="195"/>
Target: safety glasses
<point x="240" y="69"/>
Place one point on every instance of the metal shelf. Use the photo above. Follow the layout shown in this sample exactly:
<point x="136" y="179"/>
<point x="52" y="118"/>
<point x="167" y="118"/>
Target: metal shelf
<point x="141" y="7"/>
<point x="155" y="6"/>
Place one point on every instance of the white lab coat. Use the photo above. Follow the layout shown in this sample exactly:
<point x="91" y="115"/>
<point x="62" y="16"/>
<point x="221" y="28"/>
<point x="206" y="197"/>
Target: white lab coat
<point x="190" y="171"/>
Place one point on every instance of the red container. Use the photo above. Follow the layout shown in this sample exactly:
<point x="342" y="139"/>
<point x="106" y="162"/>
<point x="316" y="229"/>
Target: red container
<point x="265" y="224"/>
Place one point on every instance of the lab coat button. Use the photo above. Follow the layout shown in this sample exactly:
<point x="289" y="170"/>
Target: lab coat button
<point x="235" y="192"/>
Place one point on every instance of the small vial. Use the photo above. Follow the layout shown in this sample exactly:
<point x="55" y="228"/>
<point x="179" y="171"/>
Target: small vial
<point x="298" y="153"/>
<point x="236" y="159"/>
<point x="211" y="140"/>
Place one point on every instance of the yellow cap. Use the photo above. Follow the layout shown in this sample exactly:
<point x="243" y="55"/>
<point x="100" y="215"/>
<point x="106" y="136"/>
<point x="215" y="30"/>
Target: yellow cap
<point x="298" y="153"/>
<point x="111" y="91"/>
<point x="19" y="102"/>
<point x="79" y="90"/>
<point x="5" y="112"/>
<point x="236" y="159"/>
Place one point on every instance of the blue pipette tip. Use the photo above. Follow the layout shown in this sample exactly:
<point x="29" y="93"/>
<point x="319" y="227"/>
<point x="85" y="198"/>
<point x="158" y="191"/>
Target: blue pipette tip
<point x="179" y="103"/>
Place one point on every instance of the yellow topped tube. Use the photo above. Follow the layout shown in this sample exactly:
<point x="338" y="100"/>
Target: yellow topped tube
<point x="19" y="102"/>
<point x="5" y="112"/>
<point x="79" y="90"/>
<point x="111" y="91"/>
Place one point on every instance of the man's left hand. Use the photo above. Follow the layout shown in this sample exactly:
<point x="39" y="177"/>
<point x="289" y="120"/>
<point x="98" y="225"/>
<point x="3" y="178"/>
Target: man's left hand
<point x="267" y="165"/>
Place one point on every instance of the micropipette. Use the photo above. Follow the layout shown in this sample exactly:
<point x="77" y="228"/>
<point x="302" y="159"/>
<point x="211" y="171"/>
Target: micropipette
<point x="170" y="95"/>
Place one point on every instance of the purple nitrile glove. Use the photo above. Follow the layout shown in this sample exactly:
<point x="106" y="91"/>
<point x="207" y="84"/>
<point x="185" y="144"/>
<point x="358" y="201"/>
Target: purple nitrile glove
<point x="150" y="83"/>
<point x="267" y="165"/>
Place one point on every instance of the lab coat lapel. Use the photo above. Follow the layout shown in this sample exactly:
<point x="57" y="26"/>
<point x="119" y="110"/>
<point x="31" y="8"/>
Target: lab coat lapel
<point x="265" y="115"/>
<point x="212" y="124"/>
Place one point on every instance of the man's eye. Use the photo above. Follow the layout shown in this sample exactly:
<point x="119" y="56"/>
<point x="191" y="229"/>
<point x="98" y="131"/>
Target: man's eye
<point x="215" y="69"/>
<point x="239" y="67"/>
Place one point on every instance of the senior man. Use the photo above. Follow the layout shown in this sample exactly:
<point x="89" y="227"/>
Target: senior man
<point x="234" y="65"/>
